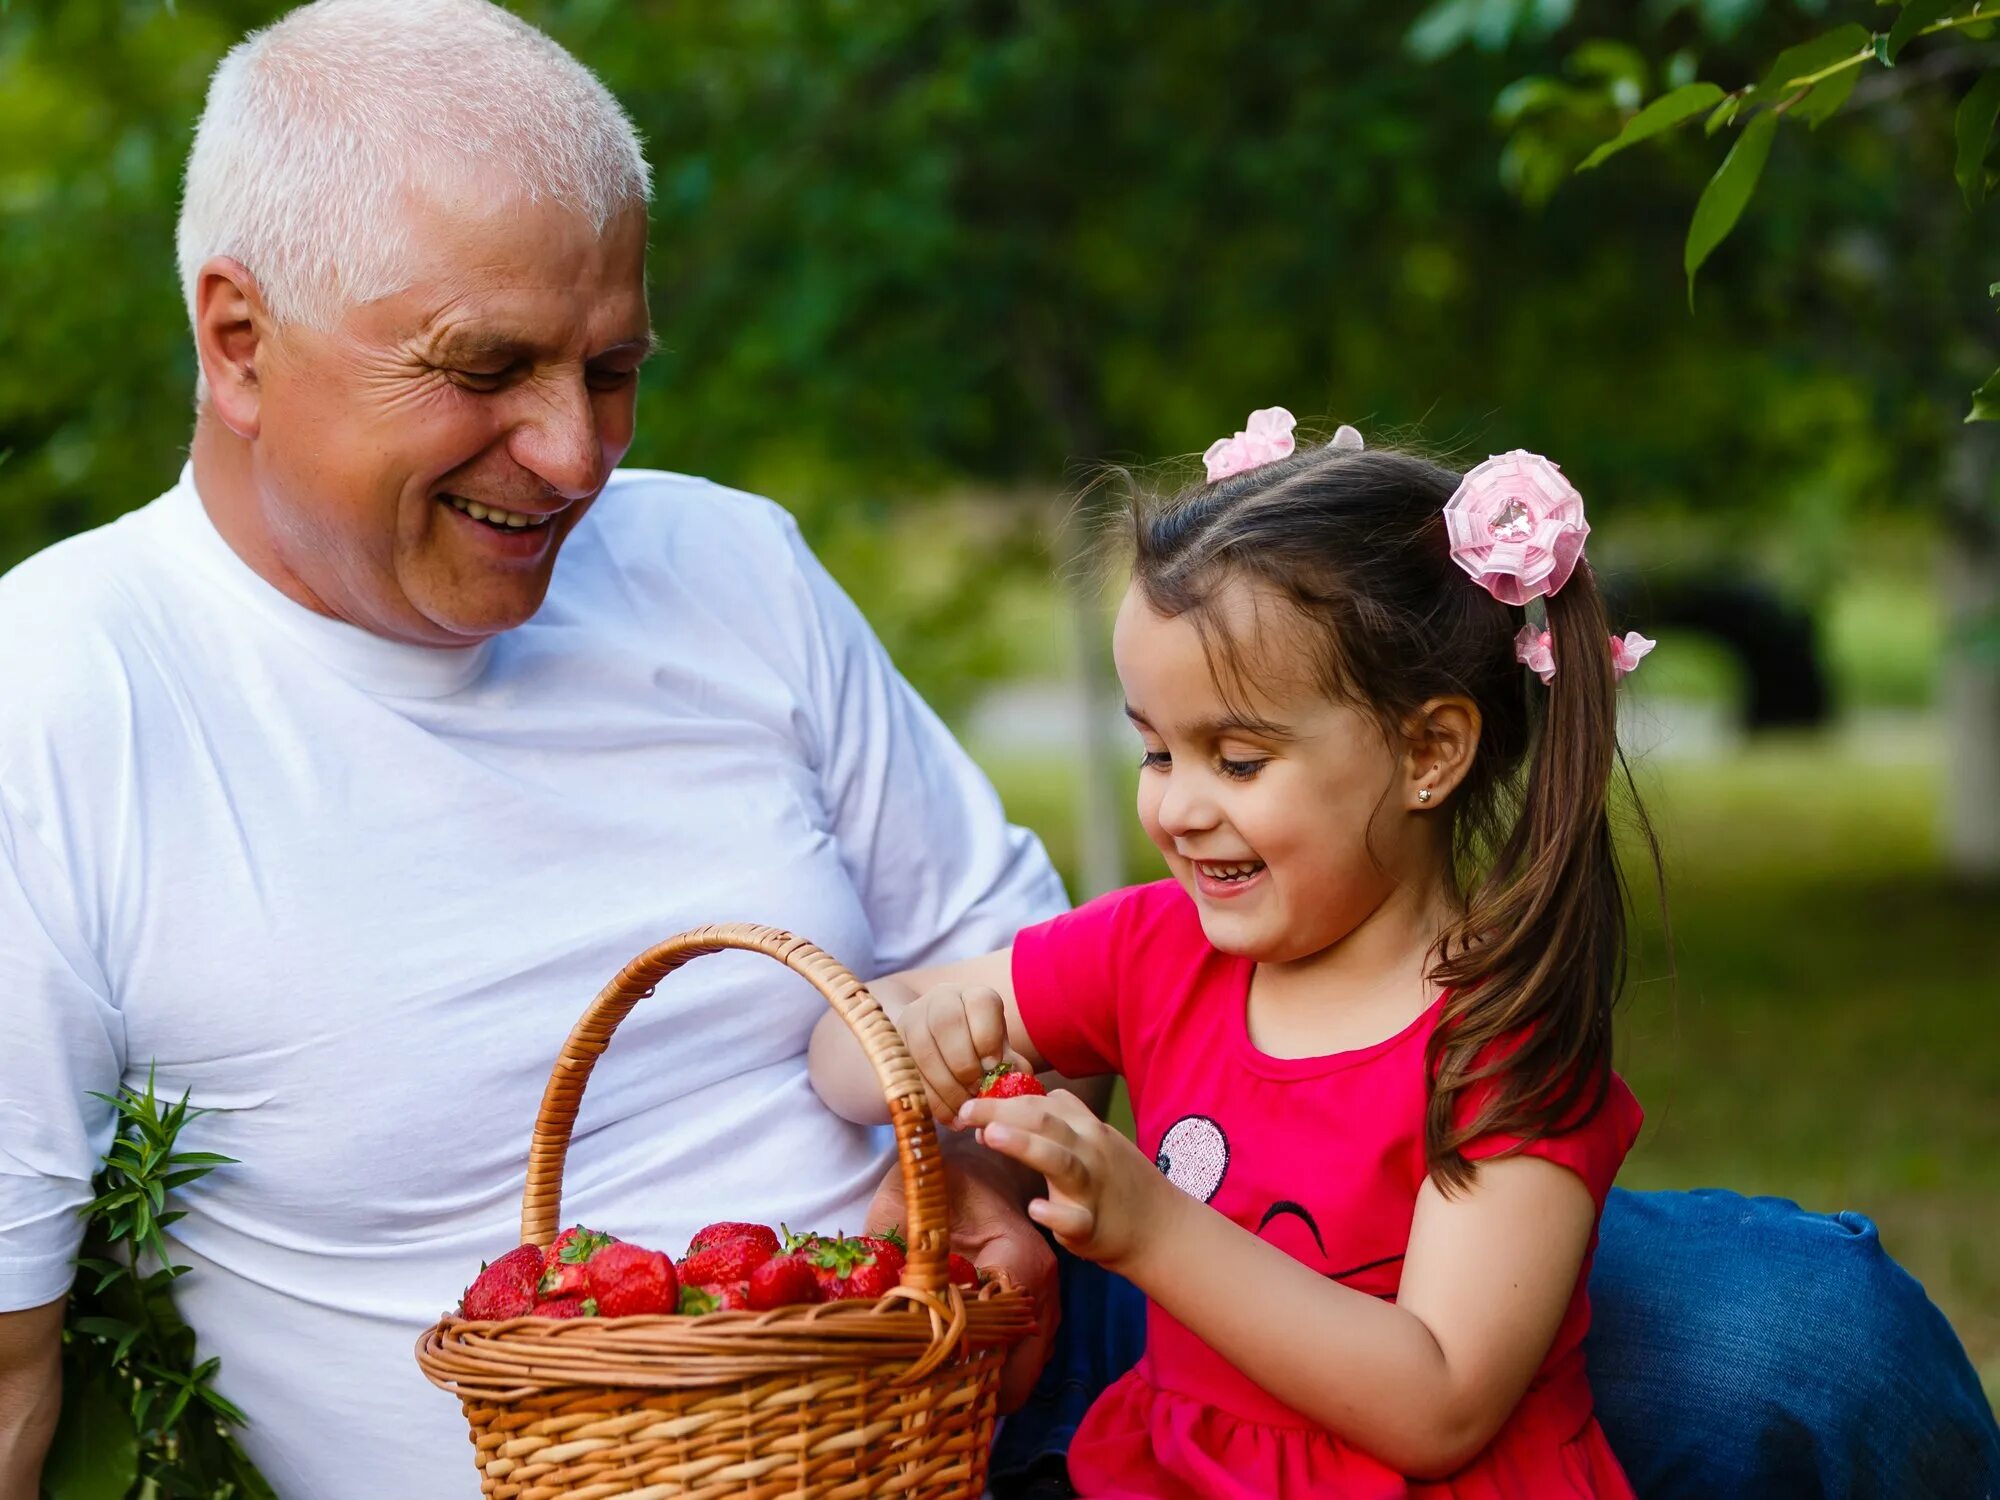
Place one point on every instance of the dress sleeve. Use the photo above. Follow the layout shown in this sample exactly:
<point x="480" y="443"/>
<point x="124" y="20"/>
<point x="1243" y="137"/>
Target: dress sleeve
<point x="940" y="871"/>
<point x="64" y="1040"/>
<point x="1594" y="1149"/>
<point x="1075" y="976"/>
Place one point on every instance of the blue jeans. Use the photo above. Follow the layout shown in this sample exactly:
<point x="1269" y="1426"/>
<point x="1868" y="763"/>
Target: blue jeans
<point x="1739" y="1347"/>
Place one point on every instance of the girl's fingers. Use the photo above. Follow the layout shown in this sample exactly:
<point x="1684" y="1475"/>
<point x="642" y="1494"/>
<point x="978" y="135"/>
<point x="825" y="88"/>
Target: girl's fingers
<point x="1072" y="1223"/>
<point x="951" y="1030"/>
<point x="946" y="1094"/>
<point x="986" y="1019"/>
<point x="1042" y="1153"/>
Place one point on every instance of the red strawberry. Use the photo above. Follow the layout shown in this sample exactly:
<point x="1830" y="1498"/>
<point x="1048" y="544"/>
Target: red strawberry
<point x="564" y="1280"/>
<point x="962" y="1271"/>
<point x="849" y="1270"/>
<point x="697" y="1300"/>
<point x="790" y="1241"/>
<point x="1008" y="1082"/>
<point x="505" y="1289"/>
<point x="566" y="1307"/>
<point x="887" y="1252"/>
<point x="576" y="1245"/>
<point x="783" y="1281"/>
<point x="629" y="1281"/>
<point x="728" y="1261"/>
<point x="728" y="1230"/>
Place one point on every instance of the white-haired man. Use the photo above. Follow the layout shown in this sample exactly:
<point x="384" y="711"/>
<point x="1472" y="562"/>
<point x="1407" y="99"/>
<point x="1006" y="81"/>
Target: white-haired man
<point x="328" y="793"/>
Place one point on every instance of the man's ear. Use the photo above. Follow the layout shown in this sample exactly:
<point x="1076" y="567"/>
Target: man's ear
<point x="1440" y="741"/>
<point x="232" y="328"/>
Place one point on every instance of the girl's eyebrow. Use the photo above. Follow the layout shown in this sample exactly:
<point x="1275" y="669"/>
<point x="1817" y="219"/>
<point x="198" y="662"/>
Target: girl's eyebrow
<point x="1226" y="724"/>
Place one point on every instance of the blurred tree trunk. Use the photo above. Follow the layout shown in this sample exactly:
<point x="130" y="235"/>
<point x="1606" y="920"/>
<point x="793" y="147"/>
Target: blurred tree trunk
<point x="1969" y="585"/>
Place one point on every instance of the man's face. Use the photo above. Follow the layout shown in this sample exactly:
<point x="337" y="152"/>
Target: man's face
<point x="502" y="381"/>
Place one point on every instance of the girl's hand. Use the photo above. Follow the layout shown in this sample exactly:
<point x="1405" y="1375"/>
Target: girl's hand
<point x="1105" y="1200"/>
<point x="957" y="1034"/>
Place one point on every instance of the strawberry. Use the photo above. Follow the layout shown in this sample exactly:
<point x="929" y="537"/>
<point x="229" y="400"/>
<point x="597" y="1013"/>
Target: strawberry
<point x="782" y="1281"/>
<point x="629" y="1281"/>
<point x="576" y="1245"/>
<point x="790" y="1241"/>
<point x="850" y="1270"/>
<point x="564" y="1280"/>
<point x="962" y="1271"/>
<point x="728" y="1261"/>
<point x="1008" y="1082"/>
<point x="505" y="1289"/>
<point x="565" y="1307"/>
<point x="725" y="1232"/>
<point x="887" y="1251"/>
<point x="722" y="1297"/>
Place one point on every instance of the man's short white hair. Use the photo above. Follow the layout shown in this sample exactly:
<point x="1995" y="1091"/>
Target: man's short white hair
<point x="317" y="127"/>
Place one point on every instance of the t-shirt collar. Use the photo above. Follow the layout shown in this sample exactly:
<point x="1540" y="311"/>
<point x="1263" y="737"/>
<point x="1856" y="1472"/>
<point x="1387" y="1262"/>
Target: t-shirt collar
<point x="396" y="669"/>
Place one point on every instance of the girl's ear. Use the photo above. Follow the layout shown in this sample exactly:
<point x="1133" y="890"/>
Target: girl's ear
<point x="1440" y="741"/>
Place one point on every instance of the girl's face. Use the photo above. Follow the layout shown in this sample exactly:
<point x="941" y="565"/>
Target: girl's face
<point x="1277" y="808"/>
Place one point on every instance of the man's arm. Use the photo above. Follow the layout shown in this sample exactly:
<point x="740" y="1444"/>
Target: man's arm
<point x="30" y="1394"/>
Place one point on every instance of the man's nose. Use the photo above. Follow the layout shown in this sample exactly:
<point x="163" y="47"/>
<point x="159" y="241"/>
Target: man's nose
<point x="558" y="439"/>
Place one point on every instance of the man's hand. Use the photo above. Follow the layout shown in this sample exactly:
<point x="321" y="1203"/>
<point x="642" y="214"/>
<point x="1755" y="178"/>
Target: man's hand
<point x="30" y="1393"/>
<point x="989" y="1228"/>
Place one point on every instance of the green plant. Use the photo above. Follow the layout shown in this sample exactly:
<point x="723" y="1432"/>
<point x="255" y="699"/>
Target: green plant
<point x="141" y="1419"/>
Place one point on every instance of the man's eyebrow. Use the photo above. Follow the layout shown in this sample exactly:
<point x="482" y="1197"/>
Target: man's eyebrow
<point x="477" y="345"/>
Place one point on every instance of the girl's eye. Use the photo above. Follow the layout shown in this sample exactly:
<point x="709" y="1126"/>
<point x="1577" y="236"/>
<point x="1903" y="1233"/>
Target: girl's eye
<point x="1240" y="770"/>
<point x="1155" y="760"/>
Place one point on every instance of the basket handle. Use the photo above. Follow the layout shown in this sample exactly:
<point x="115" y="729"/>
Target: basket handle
<point x="916" y="1136"/>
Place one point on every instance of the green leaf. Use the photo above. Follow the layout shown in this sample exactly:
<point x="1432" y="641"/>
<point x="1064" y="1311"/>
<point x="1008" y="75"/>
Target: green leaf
<point x="1986" y="401"/>
<point x="1808" y="58"/>
<point x="1727" y="194"/>
<point x="95" y="1455"/>
<point x="1826" y="98"/>
<point x="1724" y="113"/>
<point x="1662" y="115"/>
<point x="1915" y="17"/>
<point x="1974" y="128"/>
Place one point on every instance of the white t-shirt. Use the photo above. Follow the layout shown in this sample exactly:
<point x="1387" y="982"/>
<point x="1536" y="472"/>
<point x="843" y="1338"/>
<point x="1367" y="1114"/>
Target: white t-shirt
<point x="353" y="893"/>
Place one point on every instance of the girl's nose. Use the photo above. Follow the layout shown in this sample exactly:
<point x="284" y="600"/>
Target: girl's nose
<point x="1186" y="807"/>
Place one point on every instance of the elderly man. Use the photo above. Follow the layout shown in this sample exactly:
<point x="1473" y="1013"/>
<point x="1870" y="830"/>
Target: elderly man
<point x="328" y="793"/>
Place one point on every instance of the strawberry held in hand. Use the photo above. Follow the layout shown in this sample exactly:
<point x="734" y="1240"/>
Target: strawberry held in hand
<point x="629" y="1281"/>
<point x="505" y="1289"/>
<point x="1009" y="1082"/>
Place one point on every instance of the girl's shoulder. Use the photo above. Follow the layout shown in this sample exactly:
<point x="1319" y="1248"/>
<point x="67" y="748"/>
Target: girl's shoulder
<point x="1154" y="924"/>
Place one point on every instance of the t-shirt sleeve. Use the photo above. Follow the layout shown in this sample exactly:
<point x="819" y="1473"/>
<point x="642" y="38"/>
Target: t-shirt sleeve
<point x="1074" y="975"/>
<point x="1594" y="1150"/>
<point x="64" y="1039"/>
<point x="940" y="870"/>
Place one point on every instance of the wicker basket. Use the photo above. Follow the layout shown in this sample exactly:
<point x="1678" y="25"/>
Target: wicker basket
<point x="848" y="1399"/>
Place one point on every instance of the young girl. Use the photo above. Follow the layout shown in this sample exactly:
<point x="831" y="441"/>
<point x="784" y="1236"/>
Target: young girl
<point x="1366" y="1026"/>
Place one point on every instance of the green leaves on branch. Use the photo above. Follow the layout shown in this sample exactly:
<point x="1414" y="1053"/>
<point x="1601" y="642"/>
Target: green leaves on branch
<point x="1663" y="114"/>
<point x="1974" y="129"/>
<point x="1916" y="15"/>
<point x="1986" y="401"/>
<point x="1728" y="192"/>
<point x="141" y="1416"/>
<point x="1813" y="79"/>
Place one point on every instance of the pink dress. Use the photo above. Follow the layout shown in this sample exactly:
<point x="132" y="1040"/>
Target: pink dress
<point x="1320" y="1156"/>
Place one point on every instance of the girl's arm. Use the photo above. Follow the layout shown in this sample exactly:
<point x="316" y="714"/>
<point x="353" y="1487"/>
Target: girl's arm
<point x="957" y="1019"/>
<point x="1423" y="1383"/>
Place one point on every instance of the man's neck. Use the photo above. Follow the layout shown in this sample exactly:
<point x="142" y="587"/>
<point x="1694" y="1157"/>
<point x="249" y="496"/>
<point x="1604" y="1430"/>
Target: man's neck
<point x="225" y="480"/>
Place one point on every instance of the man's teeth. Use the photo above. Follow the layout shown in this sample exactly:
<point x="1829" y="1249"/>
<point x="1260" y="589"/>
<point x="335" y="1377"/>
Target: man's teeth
<point x="493" y="514"/>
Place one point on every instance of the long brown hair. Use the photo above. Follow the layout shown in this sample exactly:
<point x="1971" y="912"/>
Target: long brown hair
<point x="1355" y="543"/>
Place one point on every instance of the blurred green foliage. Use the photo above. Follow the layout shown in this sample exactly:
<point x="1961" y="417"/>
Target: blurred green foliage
<point x="906" y="248"/>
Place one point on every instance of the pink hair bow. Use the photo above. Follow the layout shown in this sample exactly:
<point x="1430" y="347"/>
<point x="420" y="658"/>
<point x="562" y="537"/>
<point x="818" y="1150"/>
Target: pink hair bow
<point x="1516" y="526"/>
<point x="1535" y="650"/>
<point x="1266" y="437"/>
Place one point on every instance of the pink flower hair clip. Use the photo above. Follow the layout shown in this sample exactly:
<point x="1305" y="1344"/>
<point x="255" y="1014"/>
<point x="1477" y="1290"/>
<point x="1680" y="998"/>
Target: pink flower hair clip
<point x="1516" y="526"/>
<point x="1535" y="650"/>
<point x="1265" y="438"/>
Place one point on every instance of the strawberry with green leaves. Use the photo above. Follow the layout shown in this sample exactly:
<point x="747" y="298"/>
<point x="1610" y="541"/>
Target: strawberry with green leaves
<point x="506" y="1288"/>
<point x="574" y="1246"/>
<point x="565" y="1307"/>
<point x="628" y="1281"/>
<point x="850" y="1270"/>
<point x="695" y="1301"/>
<point x="1006" y="1081"/>
<point x="783" y="1281"/>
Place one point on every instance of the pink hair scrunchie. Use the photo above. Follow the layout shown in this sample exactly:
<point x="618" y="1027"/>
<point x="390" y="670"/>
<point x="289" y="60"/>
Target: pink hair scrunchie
<point x="1516" y="526"/>
<point x="1265" y="438"/>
